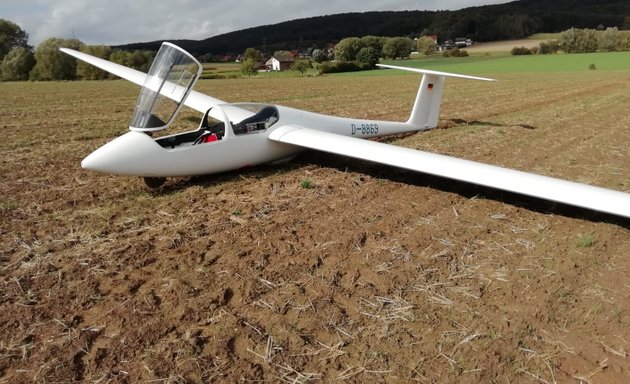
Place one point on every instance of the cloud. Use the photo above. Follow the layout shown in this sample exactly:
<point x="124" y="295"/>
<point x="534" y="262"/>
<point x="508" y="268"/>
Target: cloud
<point x="122" y="21"/>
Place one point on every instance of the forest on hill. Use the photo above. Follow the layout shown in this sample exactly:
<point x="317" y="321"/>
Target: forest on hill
<point x="512" y="20"/>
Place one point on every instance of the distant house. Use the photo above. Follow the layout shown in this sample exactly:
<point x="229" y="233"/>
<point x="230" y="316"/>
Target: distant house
<point x="279" y="63"/>
<point x="463" y="42"/>
<point x="261" y="66"/>
<point x="460" y="42"/>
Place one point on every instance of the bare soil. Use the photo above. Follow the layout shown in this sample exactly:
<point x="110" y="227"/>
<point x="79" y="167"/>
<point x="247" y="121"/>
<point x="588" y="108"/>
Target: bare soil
<point x="370" y="274"/>
<point x="503" y="46"/>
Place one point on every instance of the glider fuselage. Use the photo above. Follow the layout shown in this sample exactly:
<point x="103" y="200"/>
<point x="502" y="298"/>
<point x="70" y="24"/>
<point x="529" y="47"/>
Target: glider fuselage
<point x="139" y="154"/>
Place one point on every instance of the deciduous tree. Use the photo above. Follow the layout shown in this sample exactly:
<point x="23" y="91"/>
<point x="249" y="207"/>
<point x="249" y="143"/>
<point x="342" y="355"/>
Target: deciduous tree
<point x="570" y="40"/>
<point x="11" y="36"/>
<point x="590" y="41"/>
<point x="549" y="47"/>
<point x="282" y="54"/>
<point x="302" y="65"/>
<point x="253" y="54"/>
<point x="426" y="45"/>
<point x="347" y="49"/>
<point x="319" y="55"/>
<point x="248" y="67"/>
<point x="375" y="42"/>
<point x="398" y="47"/>
<point x="610" y="40"/>
<point x="52" y="64"/>
<point x="368" y="57"/>
<point x="17" y="64"/>
<point x="140" y="60"/>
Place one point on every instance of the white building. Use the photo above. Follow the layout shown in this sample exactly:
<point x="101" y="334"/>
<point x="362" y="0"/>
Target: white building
<point x="279" y="63"/>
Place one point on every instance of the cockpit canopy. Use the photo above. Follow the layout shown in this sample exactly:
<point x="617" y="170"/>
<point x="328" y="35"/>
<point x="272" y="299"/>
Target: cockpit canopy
<point x="171" y="77"/>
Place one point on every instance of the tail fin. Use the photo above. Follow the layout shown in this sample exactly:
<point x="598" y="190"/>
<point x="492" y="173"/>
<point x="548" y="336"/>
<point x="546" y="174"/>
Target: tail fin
<point x="426" y="109"/>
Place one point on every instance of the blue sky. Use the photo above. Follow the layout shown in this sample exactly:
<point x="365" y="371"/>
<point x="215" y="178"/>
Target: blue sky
<point x="128" y="21"/>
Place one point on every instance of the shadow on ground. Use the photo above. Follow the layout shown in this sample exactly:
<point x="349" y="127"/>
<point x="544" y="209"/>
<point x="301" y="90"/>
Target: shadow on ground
<point x="379" y="171"/>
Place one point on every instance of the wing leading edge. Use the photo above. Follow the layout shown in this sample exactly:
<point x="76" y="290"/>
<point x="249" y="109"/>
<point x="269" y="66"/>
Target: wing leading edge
<point x="436" y="73"/>
<point x="544" y="187"/>
<point x="195" y="100"/>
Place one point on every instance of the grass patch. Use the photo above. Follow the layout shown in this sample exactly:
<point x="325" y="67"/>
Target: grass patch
<point x="306" y="184"/>
<point x="586" y="240"/>
<point x="8" y="204"/>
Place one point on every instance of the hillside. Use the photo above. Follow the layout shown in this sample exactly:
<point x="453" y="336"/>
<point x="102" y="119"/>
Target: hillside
<point x="486" y="23"/>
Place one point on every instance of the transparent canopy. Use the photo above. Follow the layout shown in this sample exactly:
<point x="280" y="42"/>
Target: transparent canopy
<point x="170" y="79"/>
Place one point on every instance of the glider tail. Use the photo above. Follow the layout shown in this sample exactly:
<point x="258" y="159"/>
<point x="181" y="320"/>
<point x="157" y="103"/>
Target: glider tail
<point x="426" y="109"/>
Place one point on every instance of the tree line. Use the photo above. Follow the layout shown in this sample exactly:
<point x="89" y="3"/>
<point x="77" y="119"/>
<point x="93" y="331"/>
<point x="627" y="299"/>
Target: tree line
<point x="19" y="61"/>
<point x="507" y="21"/>
<point x="350" y="54"/>
<point x="361" y="53"/>
<point x="575" y="40"/>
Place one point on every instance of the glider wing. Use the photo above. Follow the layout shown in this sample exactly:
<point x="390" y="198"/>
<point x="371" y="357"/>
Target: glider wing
<point x="195" y="100"/>
<point x="544" y="187"/>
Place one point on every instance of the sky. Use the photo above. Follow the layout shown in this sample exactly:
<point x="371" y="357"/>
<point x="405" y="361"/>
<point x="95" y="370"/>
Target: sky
<point x="113" y="22"/>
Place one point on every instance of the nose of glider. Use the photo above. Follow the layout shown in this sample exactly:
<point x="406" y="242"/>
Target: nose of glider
<point x="92" y="162"/>
<point x="122" y="156"/>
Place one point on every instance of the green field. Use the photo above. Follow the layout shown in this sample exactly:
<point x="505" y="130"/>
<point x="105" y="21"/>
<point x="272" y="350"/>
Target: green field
<point x="608" y="61"/>
<point x="475" y="64"/>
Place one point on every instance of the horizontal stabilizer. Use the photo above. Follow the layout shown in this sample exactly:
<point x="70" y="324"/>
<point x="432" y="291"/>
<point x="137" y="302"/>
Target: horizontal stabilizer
<point x="437" y="73"/>
<point x="530" y="184"/>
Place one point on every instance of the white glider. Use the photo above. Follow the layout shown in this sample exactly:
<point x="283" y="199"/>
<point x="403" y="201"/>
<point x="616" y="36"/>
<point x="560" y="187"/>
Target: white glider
<point x="233" y="136"/>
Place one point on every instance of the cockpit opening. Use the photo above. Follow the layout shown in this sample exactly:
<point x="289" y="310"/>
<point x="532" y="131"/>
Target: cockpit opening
<point x="263" y="119"/>
<point x="210" y="129"/>
<point x="239" y="120"/>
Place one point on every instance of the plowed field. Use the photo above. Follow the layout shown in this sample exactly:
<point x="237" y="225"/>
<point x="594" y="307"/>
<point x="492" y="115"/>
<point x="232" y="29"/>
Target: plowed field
<point x="371" y="274"/>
